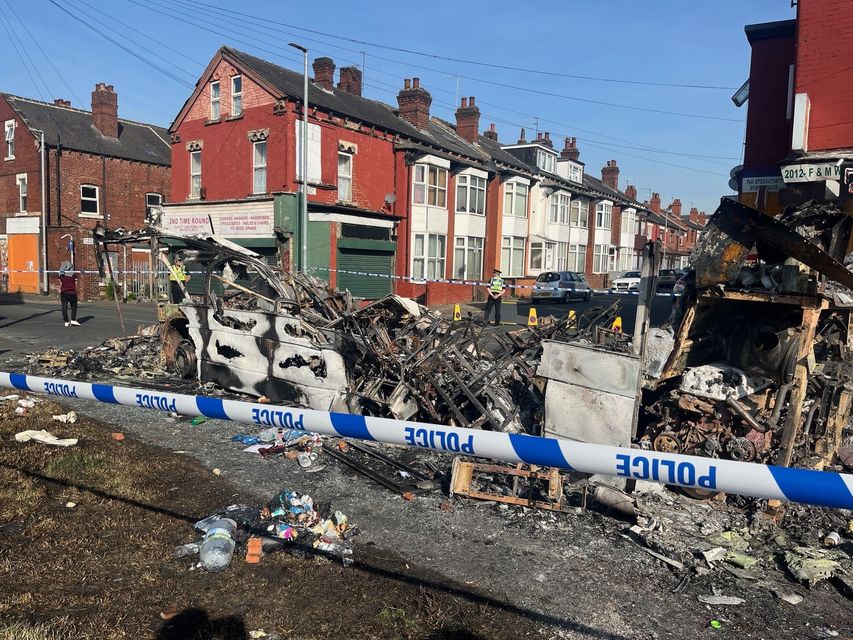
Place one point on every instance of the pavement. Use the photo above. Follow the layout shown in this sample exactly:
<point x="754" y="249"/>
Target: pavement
<point x="31" y="323"/>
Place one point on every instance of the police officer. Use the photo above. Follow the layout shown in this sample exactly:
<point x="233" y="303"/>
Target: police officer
<point x="496" y="292"/>
<point x="177" y="275"/>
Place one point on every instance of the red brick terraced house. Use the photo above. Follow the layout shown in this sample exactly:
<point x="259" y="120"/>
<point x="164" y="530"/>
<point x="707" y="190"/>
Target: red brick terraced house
<point x="98" y="168"/>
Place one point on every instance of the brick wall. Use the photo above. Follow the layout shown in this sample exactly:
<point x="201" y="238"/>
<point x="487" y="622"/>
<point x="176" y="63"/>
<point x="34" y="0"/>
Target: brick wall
<point x="27" y="160"/>
<point x="824" y="51"/>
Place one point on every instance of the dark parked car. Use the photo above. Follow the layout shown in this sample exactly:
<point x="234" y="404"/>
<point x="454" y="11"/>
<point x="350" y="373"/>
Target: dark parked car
<point x="667" y="278"/>
<point x="562" y="286"/>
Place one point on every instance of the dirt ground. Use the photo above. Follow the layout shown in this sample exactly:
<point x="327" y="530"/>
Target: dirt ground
<point x="429" y="568"/>
<point x="105" y="568"/>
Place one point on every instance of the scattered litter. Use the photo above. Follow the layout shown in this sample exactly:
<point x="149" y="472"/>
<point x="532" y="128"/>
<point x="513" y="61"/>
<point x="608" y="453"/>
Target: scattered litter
<point x="217" y="549"/>
<point x="66" y="418"/>
<point x="810" y="565"/>
<point x="715" y="624"/>
<point x="245" y="439"/>
<point x="198" y="420"/>
<point x="70" y="505"/>
<point x="186" y="550"/>
<point x="833" y="539"/>
<point x="168" y="614"/>
<point x="118" y="436"/>
<point x="721" y="600"/>
<point x="741" y="560"/>
<point x="254" y="550"/>
<point x="790" y="598"/>
<point x="26" y="404"/>
<point x="44" y="437"/>
<point x="8" y="398"/>
<point x="712" y="555"/>
<point x="217" y="472"/>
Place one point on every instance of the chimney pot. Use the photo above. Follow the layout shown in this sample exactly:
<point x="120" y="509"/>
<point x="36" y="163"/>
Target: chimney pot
<point x="105" y="110"/>
<point x="492" y="133"/>
<point x="407" y="84"/>
<point x="468" y="120"/>
<point x="416" y="82"/>
<point x="610" y="175"/>
<point x="570" y="150"/>
<point x="521" y="138"/>
<point x="414" y="102"/>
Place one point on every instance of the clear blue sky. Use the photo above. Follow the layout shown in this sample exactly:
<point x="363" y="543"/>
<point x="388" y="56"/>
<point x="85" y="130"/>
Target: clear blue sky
<point x="660" y="41"/>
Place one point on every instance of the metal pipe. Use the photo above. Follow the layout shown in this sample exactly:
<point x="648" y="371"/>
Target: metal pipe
<point x="303" y="218"/>
<point x="777" y="405"/>
<point x="809" y="418"/>
<point x="739" y="409"/>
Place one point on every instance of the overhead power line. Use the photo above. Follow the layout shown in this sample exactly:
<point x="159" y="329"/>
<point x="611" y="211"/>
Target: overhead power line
<point x="128" y="50"/>
<point x="7" y="25"/>
<point x="491" y="65"/>
<point x="46" y="57"/>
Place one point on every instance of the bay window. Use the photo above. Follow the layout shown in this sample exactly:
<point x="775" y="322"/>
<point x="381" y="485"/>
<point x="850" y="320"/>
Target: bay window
<point x="603" y="213"/>
<point x="428" y="256"/>
<point x="468" y="258"/>
<point x="430" y="185"/>
<point x="512" y="256"/>
<point x="470" y="194"/>
<point x="599" y="258"/>
<point x="579" y="215"/>
<point x="562" y="256"/>
<point x="515" y="199"/>
<point x="577" y="258"/>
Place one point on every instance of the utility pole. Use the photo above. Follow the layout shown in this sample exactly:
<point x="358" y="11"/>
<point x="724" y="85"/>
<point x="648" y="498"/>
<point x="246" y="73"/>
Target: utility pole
<point x="303" y="218"/>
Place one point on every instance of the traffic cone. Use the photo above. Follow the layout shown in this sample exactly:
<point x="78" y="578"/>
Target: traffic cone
<point x="457" y="313"/>
<point x="532" y="319"/>
<point x="617" y="325"/>
<point x="573" y="317"/>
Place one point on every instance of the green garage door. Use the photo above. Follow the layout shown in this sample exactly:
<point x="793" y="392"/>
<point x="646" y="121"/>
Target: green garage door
<point x="368" y="261"/>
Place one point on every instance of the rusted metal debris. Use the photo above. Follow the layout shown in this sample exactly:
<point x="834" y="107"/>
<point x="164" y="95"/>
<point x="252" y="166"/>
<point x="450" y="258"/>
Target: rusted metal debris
<point x="522" y="485"/>
<point x="761" y="369"/>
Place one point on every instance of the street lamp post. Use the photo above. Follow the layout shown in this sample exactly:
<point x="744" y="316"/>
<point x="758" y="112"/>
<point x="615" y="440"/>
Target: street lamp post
<point x="303" y="218"/>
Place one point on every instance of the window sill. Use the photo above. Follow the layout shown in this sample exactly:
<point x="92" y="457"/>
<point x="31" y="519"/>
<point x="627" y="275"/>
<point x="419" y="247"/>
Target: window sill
<point x="470" y="213"/>
<point x="239" y="116"/>
<point x="209" y="122"/>
<point x="9" y="158"/>
<point x="21" y="214"/>
<point x="346" y="203"/>
<point x="91" y="215"/>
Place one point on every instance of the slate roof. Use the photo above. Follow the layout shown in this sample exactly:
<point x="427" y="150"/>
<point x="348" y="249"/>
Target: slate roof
<point x="74" y="129"/>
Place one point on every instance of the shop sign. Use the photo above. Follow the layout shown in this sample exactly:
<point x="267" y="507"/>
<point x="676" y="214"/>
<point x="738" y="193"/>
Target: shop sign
<point x="818" y="172"/>
<point x="753" y="183"/>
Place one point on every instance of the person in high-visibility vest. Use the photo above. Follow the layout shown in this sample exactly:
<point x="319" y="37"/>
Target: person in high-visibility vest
<point x="177" y="274"/>
<point x="496" y="292"/>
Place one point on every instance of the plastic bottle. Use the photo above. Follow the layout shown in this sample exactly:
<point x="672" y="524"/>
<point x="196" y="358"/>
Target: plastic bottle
<point x="218" y="546"/>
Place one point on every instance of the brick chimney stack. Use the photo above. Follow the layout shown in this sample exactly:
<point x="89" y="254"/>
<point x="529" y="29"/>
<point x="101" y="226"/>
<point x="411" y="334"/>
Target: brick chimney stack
<point x="521" y="138"/>
<point x="675" y="207"/>
<point x="468" y="120"/>
<point x="414" y="102"/>
<point x="105" y="110"/>
<point x="654" y="203"/>
<point x="631" y="192"/>
<point x="324" y="73"/>
<point x="694" y="214"/>
<point x="492" y="133"/>
<point x="60" y="102"/>
<point x="570" y="151"/>
<point x="703" y="219"/>
<point x="610" y="175"/>
<point x="350" y="80"/>
<point x="546" y="140"/>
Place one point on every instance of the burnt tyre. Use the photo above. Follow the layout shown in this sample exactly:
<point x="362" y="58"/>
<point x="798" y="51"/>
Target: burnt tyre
<point x="185" y="359"/>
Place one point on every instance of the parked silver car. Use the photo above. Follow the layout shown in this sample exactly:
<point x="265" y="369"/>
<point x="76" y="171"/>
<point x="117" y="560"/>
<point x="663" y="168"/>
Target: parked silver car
<point x="561" y="286"/>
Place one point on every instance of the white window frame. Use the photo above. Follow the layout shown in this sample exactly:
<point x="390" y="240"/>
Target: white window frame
<point x="547" y="254"/>
<point x="515" y="193"/>
<point x="562" y="256"/>
<point x="581" y="221"/>
<point x="468" y="187"/>
<point x="471" y="249"/>
<point x="546" y="161"/>
<point x="345" y="178"/>
<point x="564" y="202"/>
<point x="315" y="152"/>
<point x="576" y="174"/>
<point x="427" y="186"/>
<point x="195" y="188"/>
<point x="603" y="215"/>
<point x="237" y="97"/>
<point x="259" y="169"/>
<point x="97" y="200"/>
<point x="428" y="261"/>
<point x="148" y="198"/>
<point x="9" y="136"/>
<point x="21" y="181"/>
<point x="215" y="100"/>
<point x="600" y="258"/>
<point x="512" y="264"/>
<point x="577" y="258"/>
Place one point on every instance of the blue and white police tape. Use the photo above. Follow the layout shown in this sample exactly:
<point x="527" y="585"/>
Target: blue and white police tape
<point x="795" y="485"/>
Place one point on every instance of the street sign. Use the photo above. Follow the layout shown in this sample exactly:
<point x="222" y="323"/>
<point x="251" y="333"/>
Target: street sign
<point x="818" y="172"/>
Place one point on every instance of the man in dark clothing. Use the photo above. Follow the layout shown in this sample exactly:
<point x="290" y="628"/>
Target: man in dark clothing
<point x="68" y="292"/>
<point x="496" y="292"/>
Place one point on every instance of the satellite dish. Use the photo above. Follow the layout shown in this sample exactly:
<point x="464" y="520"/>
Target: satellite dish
<point x="390" y="198"/>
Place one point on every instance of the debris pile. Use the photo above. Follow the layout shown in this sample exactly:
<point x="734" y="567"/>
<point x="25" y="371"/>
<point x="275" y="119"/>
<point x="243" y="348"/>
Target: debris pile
<point x="289" y="520"/>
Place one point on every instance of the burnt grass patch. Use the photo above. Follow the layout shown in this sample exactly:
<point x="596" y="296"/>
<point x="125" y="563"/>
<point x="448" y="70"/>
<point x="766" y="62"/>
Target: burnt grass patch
<point x="105" y="568"/>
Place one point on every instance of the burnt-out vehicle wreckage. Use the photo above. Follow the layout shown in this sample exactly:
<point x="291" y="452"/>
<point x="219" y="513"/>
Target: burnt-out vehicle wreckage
<point x="755" y="363"/>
